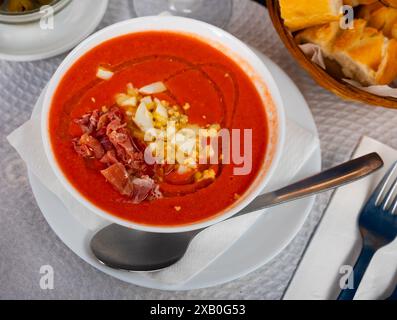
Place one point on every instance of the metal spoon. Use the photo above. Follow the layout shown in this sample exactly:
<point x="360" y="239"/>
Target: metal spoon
<point x="122" y="248"/>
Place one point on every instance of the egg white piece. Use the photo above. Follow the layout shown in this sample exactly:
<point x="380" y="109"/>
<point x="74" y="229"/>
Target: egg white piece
<point x="157" y="87"/>
<point x="160" y="109"/>
<point x="104" y="74"/>
<point x="143" y="118"/>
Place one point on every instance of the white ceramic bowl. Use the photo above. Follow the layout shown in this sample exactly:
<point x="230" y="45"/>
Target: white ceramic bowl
<point x="218" y="38"/>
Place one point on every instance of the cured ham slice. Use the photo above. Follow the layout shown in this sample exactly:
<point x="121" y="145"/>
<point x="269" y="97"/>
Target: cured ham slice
<point x="109" y="158"/>
<point x="143" y="187"/>
<point x="82" y="150"/>
<point x="127" y="151"/>
<point x="102" y="122"/>
<point x="94" y="118"/>
<point x="118" y="177"/>
<point x="83" y="122"/>
<point x="121" y="139"/>
<point x="88" y="122"/>
<point x="93" y="145"/>
<point x="106" y="143"/>
<point x="107" y="139"/>
<point x="88" y="147"/>
<point x="138" y="189"/>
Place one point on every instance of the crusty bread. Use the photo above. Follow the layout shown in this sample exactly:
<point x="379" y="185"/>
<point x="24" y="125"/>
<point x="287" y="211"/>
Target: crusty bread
<point x="365" y="12"/>
<point x="387" y="71"/>
<point x="380" y="17"/>
<point x="364" y="53"/>
<point x="298" y="14"/>
<point x="394" y="31"/>
<point x="390" y="3"/>
<point x="355" y="3"/>
<point x="323" y="35"/>
<point x="360" y="52"/>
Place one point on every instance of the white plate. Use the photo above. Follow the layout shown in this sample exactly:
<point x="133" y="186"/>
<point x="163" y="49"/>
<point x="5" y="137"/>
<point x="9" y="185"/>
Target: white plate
<point x="28" y="42"/>
<point x="270" y="235"/>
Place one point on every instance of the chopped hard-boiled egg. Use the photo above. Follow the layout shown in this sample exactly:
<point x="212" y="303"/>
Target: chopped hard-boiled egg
<point x="166" y="129"/>
<point x="160" y="114"/>
<point x="143" y="118"/>
<point x="205" y="175"/>
<point x="154" y="88"/>
<point x="160" y="110"/>
<point x="104" y="74"/>
<point x="148" y="100"/>
<point x="183" y="169"/>
<point x="124" y="100"/>
<point x="132" y="91"/>
<point x="131" y="102"/>
<point x="185" y="145"/>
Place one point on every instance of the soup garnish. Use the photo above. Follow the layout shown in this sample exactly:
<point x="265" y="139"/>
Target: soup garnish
<point x="117" y="137"/>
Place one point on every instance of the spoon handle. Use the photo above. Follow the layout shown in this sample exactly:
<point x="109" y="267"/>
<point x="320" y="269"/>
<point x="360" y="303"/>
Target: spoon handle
<point x="335" y="177"/>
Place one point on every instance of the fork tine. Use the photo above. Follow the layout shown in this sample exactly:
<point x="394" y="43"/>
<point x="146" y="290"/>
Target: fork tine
<point x="393" y="207"/>
<point x="388" y="197"/>
<point x="380" y="189"/>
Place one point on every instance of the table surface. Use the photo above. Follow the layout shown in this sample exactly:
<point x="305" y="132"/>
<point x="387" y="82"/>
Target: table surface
<point x="27" y="242"/>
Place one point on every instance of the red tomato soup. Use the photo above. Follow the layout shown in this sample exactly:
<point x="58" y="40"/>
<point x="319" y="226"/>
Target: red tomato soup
<point x="119" y="91"/>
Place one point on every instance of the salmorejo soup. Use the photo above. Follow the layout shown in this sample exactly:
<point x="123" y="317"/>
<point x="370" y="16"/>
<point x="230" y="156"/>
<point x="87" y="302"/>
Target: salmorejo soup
<point x="138" y="124"/>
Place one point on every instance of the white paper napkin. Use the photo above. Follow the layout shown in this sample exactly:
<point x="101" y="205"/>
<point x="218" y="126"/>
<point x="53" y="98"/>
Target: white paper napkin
<point x="211" y="243"/>
<point x="27" y="141"/>
<point x="337" y="242"/>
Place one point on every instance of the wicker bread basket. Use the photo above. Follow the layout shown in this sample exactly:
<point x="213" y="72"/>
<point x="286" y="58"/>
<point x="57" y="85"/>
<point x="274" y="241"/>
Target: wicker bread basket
<point x="339" y="87"/>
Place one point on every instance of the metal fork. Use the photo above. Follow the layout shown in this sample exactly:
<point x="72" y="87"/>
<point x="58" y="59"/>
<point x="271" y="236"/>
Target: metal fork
<point x="378" y="227"/>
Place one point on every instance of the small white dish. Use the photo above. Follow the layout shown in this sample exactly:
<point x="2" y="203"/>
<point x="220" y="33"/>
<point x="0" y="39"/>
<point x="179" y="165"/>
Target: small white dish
<point x="28" y="42"/>
<point x="32" y="15"/>
<point x="267" y="238"/>
<point x="217" y="38"/>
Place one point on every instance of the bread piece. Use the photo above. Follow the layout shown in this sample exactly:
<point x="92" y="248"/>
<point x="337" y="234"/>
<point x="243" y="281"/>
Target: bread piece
<point x="390" y="3"/>
<point x="394" y="31"/>
<point x="355" y="3"/>
<point x="360" y="51"/>
<point x="380" y="17"/>
<point x="365" y="12"/>
<point x="364" y="53"/>
<point x="298" y="14"/>
<point x="387" y="71"/>
<point x="323" y="35"/>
